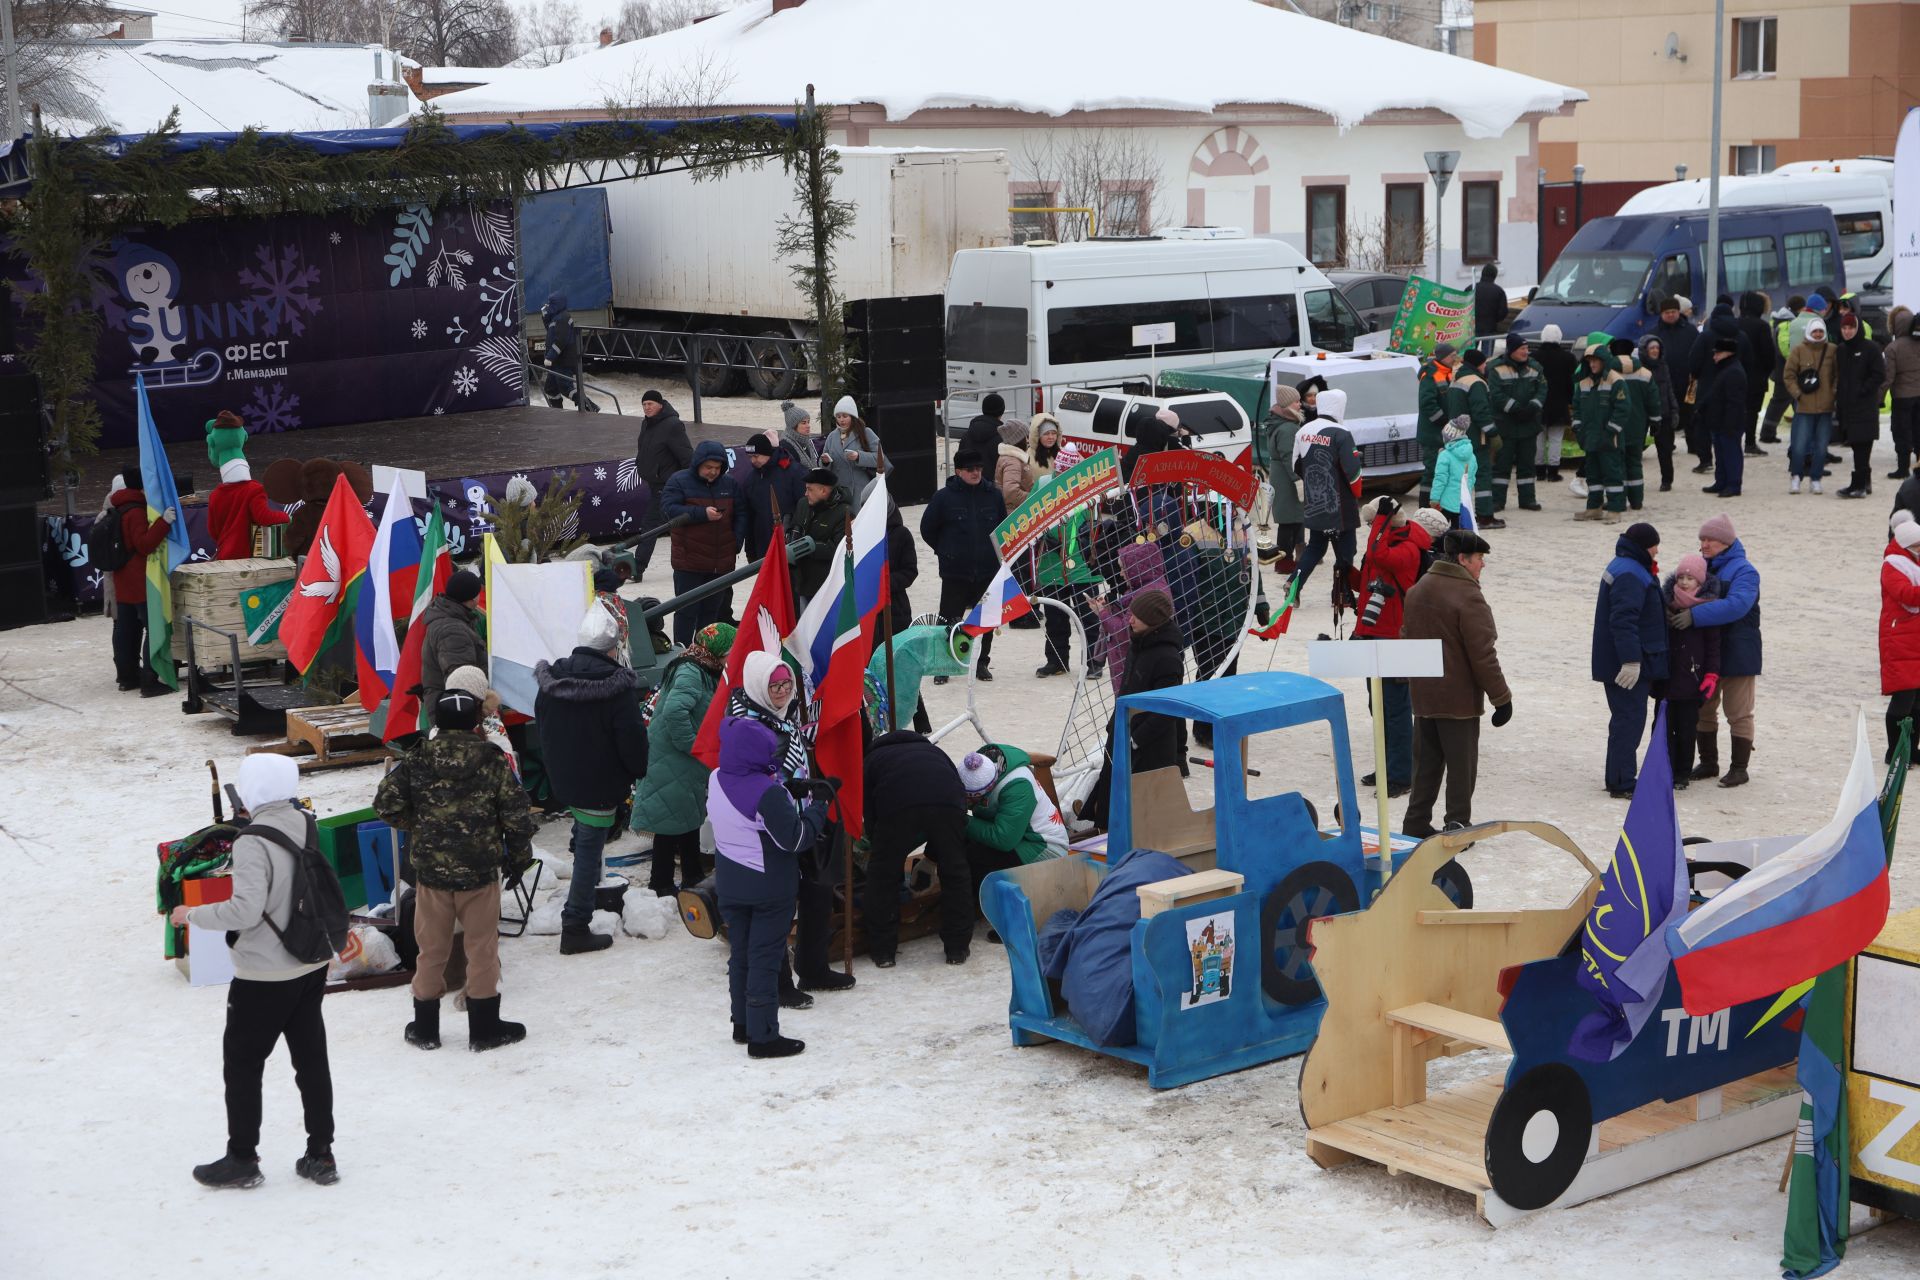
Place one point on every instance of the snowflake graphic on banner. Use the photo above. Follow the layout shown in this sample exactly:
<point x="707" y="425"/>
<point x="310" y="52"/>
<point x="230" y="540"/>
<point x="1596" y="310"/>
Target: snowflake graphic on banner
<point x="457" y="331"/>
<point x="419" y="329"/>
<point x="465" y="381"/>
<point x="621" y="521"/>
<point x="280" y="289"/>
<point x="439" y="409"/>
<point x="501" y="294"/>
<point x="272" y="409"/>
<point x="596" y="499"/>
<point x="333" y="237"/>
<point x="599" y="473"/>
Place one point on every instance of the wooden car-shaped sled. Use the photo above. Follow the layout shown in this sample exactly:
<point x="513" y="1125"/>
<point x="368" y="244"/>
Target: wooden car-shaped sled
<point x="1414" y="978"/>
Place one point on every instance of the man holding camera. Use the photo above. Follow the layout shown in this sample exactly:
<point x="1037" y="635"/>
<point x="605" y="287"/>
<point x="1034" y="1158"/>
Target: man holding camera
<point x="1396" y="548"/>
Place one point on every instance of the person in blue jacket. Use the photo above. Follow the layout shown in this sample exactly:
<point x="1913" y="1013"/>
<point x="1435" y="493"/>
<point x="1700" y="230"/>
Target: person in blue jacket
<point x="760" y="830"/>
<point x="958" y="524"/>
<point x="1629" y="649"/>
<point x="1738" y="610"/>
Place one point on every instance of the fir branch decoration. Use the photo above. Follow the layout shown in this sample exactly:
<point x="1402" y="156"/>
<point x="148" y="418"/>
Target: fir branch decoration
<point x="810" y="241"/>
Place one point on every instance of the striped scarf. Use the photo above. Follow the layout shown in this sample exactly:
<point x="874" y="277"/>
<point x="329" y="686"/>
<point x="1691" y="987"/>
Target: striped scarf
<point x="793" y="745"/>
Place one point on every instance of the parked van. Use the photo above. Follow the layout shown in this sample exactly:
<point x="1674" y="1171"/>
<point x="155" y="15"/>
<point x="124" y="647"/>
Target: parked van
<point x="1615" y="269"/>
<point x="1025" y="319"/>
<point x="1859" y="202"/>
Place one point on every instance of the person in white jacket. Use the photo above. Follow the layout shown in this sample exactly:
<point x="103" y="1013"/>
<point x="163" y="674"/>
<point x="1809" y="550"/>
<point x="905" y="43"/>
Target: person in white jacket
<point x="272" y="994"/>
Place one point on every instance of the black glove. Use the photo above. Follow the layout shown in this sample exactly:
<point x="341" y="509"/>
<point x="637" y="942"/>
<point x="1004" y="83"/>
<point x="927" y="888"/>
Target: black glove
<point x="1503" y="713"/>
<point x="1385" y="505"/>
<point x="515" y="865"/>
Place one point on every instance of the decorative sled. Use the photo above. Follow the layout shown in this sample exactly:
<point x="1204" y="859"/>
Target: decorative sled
<point x="1883" y="1069"/>
<point x="1415" y="977"/>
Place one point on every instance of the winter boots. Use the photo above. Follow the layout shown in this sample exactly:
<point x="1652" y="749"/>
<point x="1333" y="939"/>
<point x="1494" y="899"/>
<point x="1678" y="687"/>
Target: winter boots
<point x="1709" y="766"/>
<point x="320" y="1169"/>
<point x="575" y="942"/>
<point x="424" y="1031"/>
<point x="485" y="1030"/>
<point x="778" y="1047"/>
<point x="228" y="1174"/>
<point x="831" y="980"/>
<point x="1737" y="771"/>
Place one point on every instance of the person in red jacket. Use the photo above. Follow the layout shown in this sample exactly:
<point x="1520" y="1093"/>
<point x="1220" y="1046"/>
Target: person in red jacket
<point x="141" y="536"/>
<point x="236" y="505"/>
<point x="1900" y="625"/>
<point x="1396" y="548"/>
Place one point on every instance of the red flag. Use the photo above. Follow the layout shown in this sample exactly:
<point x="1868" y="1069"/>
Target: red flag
<point x="404" y="712"/>
<point x="322" y="604"/>
<point x="772" y="595"/>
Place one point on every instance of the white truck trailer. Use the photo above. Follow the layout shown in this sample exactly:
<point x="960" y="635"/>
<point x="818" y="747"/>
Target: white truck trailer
<point x="701" y="256"/>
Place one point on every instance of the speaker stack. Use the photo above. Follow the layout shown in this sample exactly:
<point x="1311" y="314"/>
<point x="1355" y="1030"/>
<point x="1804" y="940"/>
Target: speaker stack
<point x="899" y="379"/>
<point x="23" y="482"/>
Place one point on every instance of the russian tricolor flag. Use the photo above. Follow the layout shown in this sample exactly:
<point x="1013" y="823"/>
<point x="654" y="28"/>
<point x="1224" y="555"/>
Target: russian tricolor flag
<point x="1796" y="915"/>
<point x="393" y="568"/>
<point x="1003" y="602"/>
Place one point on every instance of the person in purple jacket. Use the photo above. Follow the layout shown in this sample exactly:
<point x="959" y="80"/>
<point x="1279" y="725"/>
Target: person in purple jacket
<point x="760" y="830"/>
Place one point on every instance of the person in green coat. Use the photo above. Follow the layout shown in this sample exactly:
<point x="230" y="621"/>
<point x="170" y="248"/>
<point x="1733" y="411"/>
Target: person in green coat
<point x="1274" y="456"/>
<point x="1644" y="408"/>
<point x="1435" y="376"/>
<point x="1519" y="398"/>
<point x="1469" y="394"/>
<point x="1012" y="820"/>
<point x="1602" y="403"/>
<point x="671" y="800"/>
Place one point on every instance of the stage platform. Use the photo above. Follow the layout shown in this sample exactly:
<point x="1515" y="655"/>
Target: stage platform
<point x="486" y="441"/>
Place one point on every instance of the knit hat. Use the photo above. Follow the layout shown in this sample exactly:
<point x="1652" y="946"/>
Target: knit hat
<point x="597" y="631"/>
<point x="846" y="405"/>
<point x="457" y="709"/>
<point x="823" y="475"/>
<point x="651" y="395"/>
<point x="1818" y="329"/>
<point x="1153" y="607"/>
<point x="977" y="773"/>
<point x="1515" y="339"/>
<point x="1817" y="302"/>
<point x="1551" y="334"/>
<point x="1042" y="421"/>
<point x="758" y="673"/>
<point x="1907" y="535"/>
<point x="1433" y="520"/>
<point x="760" y="446"/>
<point x="1686" y="305"/>
<point x="992" y="405"/>
<point x="715" y="638"/>
<point x="794" y="415"/>
<point x="1621" y="346"/>
<point x="1718" y="529"/>
<point x="967" y="458"/>
<point x="606" y="580"/>
<point x="1168" y="417"/>
<point x="1669" y="303"/>
<point x="1849" y="320"/>
<point x="1442" y="350"/>
<point x="265" y="778"/>
<point x="1899" y="517"/>
<point x="464" y="586"/>
<point x="1729" y="345"/>
<point x="234" y="470"/>
<point x="1332" y="404"/>
<point x="1285" y="397"/>
<point x="1014" y="432"/>
<point x="1642" y="535"/>
<point x="1692" y="565"/>
<point x="1473" y="358"/>
<point x="1456" y="429"/>
<point x="469" y="679"/>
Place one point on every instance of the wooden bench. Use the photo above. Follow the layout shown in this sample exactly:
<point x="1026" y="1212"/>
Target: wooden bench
<point x="331" y="737"/>
<point x="1416" y="1024"/>
<point x="1181" y="891"/>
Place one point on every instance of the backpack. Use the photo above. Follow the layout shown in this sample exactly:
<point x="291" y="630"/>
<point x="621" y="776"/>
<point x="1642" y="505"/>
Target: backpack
<point x="107" y="541"/>
<point x="317" y="927"/>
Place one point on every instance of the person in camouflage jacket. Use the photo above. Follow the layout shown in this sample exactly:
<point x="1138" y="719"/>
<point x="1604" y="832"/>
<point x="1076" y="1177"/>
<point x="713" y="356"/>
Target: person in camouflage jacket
<point x="467" y="822"/>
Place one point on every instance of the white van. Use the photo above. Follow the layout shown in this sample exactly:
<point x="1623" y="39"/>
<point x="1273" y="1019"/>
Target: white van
<point x="1028" y="320"/>
<point x="1858" y="201"/>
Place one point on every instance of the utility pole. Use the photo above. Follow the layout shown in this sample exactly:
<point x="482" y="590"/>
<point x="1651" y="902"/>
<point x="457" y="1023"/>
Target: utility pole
<point x="1713" y="172"/>
<point x="11" y="53"/>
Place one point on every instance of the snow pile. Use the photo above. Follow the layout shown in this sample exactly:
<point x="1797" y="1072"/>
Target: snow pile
<point x="544" y="920"/>
<point x="559" y="865"/>
<point x="1051" y="59"/>
<point x="607" y="922"/>
<point x="649" y="917"/>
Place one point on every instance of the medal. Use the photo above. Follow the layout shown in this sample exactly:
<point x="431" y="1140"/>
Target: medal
<point x="1069" y="562"/>
<point x="1140" y="538"/>
<point x="1160" y="529"/>
<point x="1186" y="540"/>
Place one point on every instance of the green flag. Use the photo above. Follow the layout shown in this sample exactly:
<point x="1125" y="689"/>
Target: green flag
<point x="261" y="609"/>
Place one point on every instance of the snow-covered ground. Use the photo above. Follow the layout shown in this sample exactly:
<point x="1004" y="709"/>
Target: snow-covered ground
<point x="629" y="1135"/>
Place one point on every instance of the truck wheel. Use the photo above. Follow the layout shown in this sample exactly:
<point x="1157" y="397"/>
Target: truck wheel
<point x="1315" y="889"/>
<point x="1538" y="1134"/>
<point x="1452" y="879"/>
<point x="774" y="374"/>
<point x="717" y="379"/>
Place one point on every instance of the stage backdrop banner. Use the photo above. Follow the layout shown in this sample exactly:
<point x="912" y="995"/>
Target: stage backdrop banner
<point x="310" y="321"/>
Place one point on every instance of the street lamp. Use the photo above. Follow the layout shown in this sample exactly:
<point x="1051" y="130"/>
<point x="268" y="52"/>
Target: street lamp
<point x="1440" y="167"/>
<point x="1579" y="194"/>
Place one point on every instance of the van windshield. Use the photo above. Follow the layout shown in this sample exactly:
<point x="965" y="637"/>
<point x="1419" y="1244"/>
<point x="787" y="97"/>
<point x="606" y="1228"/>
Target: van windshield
<point x="987" y="335"/>
<point x="1595" y="279"/>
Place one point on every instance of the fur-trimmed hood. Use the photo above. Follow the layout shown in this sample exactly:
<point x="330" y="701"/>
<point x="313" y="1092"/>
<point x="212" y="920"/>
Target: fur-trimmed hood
<point x="587" y="675"/>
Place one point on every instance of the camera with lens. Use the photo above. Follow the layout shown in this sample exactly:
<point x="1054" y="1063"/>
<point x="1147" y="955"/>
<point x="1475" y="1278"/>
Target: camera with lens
<point x="1377" y="592"/>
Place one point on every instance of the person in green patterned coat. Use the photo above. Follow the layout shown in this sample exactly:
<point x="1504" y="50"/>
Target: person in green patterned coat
<point x="1435" y="376"/>
<point x="1469" y="394"/>
<point x="1602" y="401"/>
<point x="1519" y="398"/>
<point x="1644" y="409"/>
<point x="671" y="801"/>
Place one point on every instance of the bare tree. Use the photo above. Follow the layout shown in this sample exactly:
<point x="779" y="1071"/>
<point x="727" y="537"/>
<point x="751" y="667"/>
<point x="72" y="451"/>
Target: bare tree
<point x="689" y="87"/>
<point x="548" y="31"/>
<point x="1378" y="244"/>
<point x="352" y="21"/>
<point x="48" y="36"/>
<point x="1117" y="173"/>
<point x="1409" y="21"/>
<point x="639" y="19"/>
<point x="450" y="33"/>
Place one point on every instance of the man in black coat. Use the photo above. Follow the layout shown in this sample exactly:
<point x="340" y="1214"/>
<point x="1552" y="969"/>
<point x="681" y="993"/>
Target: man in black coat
<point x="1722" y="415"/>
<point x="958" y="524"/>
<point x="594" y="748"/>
<point x="983" y="433"/>
<point x="772" y="482"/>
<point x="914" y="798"/>
<point x="1722" y="324"/>
<point x="1862" y="379"/>
<point x="1489" y="303"/>
<point x="1678" y="337"/>
<point x="822" y="517"/>
<point x="1758" y="362"/>
<point x="662" y="450"/>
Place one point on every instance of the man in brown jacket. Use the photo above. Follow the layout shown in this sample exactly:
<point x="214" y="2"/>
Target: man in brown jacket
<point x="1446" y="605"/>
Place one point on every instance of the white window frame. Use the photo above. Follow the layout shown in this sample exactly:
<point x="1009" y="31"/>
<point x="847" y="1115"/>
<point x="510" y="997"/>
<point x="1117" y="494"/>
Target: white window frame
<point x="1767" y="48"/>
<point x="1763" y="159"/>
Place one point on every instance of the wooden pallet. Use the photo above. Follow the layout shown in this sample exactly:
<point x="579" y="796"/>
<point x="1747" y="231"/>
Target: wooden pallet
<point x="1443" y="1138"/>
<point x="334" y="737"/>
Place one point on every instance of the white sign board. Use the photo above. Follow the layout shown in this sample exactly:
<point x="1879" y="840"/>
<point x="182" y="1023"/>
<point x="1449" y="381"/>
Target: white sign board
<point x="1331" y="659"/>
<point x="386" y="478"/>
<point x="1886" y="1046"/>
<point x="1152" y="335"/>
<point x="1906" y="213"/>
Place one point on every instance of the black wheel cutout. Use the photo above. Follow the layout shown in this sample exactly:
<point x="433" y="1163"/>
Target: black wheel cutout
<point x="1315" y="889"/>
<point x="1452" y="879"/>
<point x="1537" y="1138"/>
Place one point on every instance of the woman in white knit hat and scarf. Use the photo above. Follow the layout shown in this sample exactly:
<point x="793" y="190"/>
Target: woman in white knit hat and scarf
<point x="852" y="450"/>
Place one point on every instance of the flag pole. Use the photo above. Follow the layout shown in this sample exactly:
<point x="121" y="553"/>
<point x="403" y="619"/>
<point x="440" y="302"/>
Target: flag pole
<point x="846" y="887"/>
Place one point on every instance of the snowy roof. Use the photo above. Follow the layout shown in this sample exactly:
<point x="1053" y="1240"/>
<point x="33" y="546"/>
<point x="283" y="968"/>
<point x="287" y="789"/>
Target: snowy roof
<point x="459" y="75"/>
<point x="1049" y="58"/>
<point x="219" y="86"/>
<point x="553" y="54"/>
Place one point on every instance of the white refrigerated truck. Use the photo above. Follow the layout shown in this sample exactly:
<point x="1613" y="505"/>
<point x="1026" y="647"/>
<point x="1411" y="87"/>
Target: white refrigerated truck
<point x="702" y="255"/>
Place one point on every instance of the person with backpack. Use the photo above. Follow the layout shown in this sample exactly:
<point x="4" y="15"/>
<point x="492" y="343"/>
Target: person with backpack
<point x="119" y="544"/>
<point x="460" y="805"/>
<point x="669" y="801"/>
<point x="280" y="953"/>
